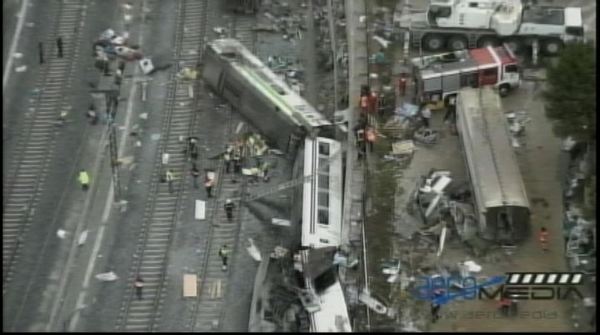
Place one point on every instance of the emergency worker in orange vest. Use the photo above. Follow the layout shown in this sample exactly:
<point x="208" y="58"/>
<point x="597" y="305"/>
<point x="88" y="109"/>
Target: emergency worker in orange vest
<point x="364" y="103"/>
<point x="402" y="84"/>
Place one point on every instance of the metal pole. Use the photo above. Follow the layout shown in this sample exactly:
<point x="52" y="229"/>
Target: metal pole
<point x="114" y="149"/>
<point x="114" y="156"/>
<point x="333" y="52"/>
<point x="367" y="43"/>
<point x="144" y="92"/>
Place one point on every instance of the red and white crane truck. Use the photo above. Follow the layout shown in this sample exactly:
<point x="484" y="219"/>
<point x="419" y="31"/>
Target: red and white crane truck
<point x="461" y="24"/>
<point x="437" y="77"/>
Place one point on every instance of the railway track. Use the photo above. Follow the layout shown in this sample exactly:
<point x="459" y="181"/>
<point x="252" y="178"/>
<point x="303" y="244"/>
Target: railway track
<point x="208" y="314"/>
<point x="163" y="207"/>
<point x="26" y="177"/>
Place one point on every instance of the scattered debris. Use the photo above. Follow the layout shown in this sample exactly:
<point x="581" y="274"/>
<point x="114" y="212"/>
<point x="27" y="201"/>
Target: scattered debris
<point x="279" y="252"/>
<point x="82" y="238"/>
<point x="383" y="42"/>
<point x="406" y="147"/>
<point x="220" y="30"/>
<point x="390" y="266"/>
<point x="253" y="250"/>
<point x="62" y="233"/>
<point x="108" y="276"/>
<point x="187" y="74"/>
<point x="472" y="266"/>
<point x="426" y="136"/>
<point x="146" y="65"/>
<point x="372" y="303"/>
<point x="281" y="222"/>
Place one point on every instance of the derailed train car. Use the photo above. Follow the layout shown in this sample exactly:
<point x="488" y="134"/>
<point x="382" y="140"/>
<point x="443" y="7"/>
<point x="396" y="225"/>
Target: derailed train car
<point x="263" y="98"/>
<point x="498" y="190"/>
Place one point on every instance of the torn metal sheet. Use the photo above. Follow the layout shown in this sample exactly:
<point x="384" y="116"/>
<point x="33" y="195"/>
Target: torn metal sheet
<point x="372" y="303"/>
<point x="433" y="205"/>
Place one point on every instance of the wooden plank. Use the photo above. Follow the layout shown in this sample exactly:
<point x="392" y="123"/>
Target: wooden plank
<point x="190" y="285"/>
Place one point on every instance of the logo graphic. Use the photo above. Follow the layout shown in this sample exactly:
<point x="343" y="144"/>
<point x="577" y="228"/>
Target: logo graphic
<point x="514" y="286"/>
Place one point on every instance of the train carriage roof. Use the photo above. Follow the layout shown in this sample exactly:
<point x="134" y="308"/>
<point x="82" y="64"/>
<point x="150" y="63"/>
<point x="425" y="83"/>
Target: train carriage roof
<point x="492" y="162"/>
<point x="268" y="83"/>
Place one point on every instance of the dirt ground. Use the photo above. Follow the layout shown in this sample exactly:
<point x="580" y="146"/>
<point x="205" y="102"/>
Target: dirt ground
<point x="539" y="160"/>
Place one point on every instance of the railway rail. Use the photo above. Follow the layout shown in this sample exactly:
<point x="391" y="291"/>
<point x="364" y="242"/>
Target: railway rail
<point x="163" y="207"/>
<point x="27" y="174"/>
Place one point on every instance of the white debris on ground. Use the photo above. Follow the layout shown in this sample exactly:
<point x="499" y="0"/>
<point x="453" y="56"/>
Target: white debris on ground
<point x="82" y="238"/>
<point x="107" y="276"/>
<point x="62" y="233"/>
<point x="253" y="250"/>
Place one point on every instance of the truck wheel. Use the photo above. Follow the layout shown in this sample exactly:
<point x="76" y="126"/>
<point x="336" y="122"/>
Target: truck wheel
<point x="487" y="41"/>
<point x="551" y="47"/>
<point x="515" y="45"/>
<point x="457" y="43"/>
<point x="503" y="90"/>
<point x="433" y="42"/>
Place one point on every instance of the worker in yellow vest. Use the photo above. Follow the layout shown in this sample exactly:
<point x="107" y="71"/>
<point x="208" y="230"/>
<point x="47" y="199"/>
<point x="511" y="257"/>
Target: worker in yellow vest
<point x="84" y="179"/>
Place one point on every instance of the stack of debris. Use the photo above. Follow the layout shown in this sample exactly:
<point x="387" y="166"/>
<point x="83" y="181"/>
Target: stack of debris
<point x="109" y="46"/>
<point x="441" y="206"/>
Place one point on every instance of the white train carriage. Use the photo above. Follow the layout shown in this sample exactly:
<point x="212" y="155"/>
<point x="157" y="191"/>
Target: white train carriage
<point x="498" y="190"/>
<point x="282" y="115"/>
<point x="322" y="194"/>
<point x="333" y="315"/>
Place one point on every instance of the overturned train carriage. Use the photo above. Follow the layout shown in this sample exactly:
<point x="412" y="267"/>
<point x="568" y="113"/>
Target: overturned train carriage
<point x="498" y="190"/>
<point x="263" y="98"/>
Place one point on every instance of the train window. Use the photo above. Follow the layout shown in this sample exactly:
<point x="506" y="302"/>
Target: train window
<point x="323" y="181"/>
<point x="323" y="164"/>
<point x="324" y="148"/>
<point x="323" y="199"/>
<point x="323" y="216"/>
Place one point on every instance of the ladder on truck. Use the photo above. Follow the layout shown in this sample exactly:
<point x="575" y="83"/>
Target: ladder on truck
<point x="288" y="184"/>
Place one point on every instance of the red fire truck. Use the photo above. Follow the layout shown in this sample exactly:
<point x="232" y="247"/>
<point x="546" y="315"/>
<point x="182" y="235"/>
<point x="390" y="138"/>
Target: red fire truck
<point x="437" y="77"/>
